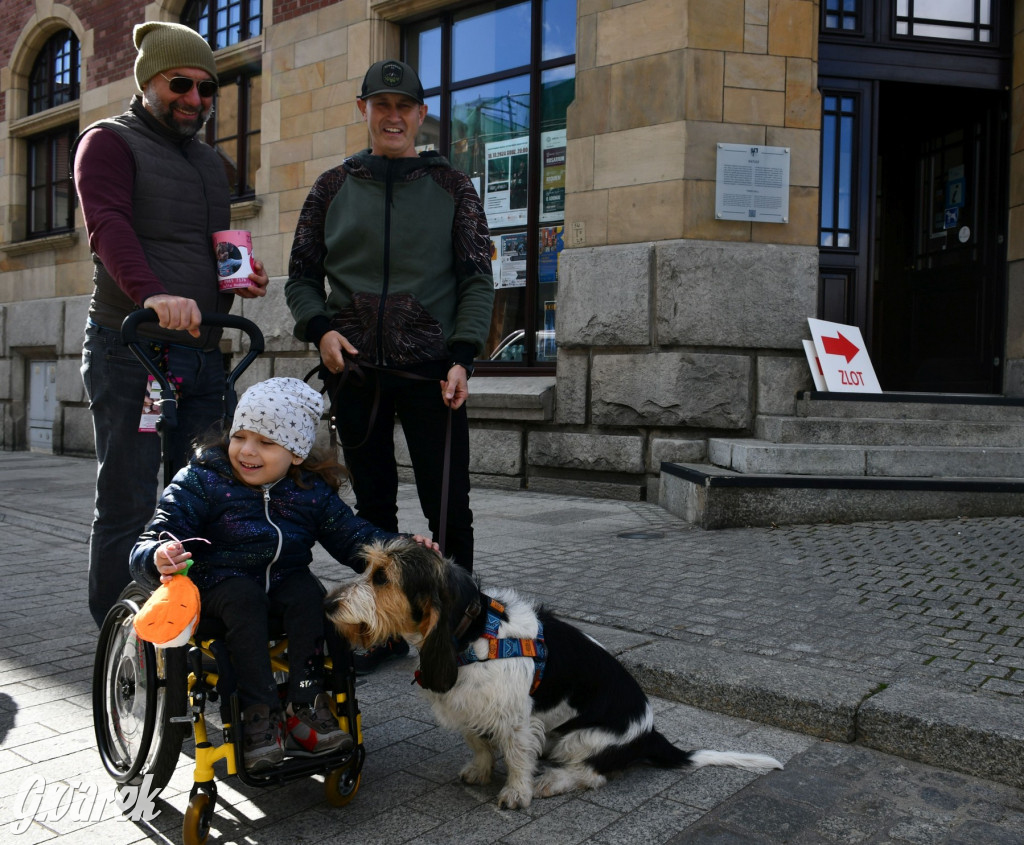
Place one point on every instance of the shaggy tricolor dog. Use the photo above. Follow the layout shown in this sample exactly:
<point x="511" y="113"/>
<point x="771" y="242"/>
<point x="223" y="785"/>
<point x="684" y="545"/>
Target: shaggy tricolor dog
<point x="514" y="680"/>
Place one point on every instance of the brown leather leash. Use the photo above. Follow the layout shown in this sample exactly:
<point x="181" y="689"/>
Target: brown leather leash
<point x="333" y="382"/>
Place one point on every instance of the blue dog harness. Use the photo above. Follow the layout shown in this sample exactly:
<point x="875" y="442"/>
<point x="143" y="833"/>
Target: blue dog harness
<point x="498" y="647"/>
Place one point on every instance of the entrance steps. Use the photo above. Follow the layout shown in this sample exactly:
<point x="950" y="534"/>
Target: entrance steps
<point x="857" y="457"/>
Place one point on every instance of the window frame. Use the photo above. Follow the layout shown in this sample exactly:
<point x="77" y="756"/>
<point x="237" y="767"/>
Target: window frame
<point x="238" y="63"/>
<point x="51" y="121"/>
<point x="48" y="55"/>
<point x="195" y="16"/>
<point x="875" y="52"/>
<point x="535" y="70"/>
<point x="911" y="20"/>
<point x="855" y="116"/>
<point x="859" y="14"/>
<point x="878" y="26"/>
<point x="844" y="271"/>
<point x="242" y="134"/>
<point x="51" y="137"/>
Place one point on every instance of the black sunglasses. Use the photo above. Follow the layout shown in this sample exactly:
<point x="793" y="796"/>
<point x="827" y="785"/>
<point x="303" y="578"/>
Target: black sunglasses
<point x="182" y="85"/>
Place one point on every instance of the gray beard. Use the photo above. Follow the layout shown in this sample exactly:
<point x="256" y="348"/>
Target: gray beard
<point x="165" y="115"/>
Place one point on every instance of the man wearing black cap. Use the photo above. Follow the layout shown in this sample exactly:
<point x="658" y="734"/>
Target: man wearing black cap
<point x="152" y="194"/>
<point x="401" y="238"/>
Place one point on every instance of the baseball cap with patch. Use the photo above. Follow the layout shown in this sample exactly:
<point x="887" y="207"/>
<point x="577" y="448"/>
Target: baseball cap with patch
<point x="391" y="77"/>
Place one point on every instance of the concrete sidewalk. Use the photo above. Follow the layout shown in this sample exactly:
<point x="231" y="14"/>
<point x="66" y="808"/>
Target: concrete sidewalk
<point x="907" y="638"/>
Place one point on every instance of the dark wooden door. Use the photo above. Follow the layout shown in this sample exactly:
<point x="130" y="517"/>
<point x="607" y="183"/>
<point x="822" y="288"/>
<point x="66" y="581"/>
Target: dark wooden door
<point x="940" y="228"/>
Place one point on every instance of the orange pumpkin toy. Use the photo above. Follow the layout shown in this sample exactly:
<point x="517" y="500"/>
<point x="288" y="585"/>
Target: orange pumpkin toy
<point x="171" y="614"/>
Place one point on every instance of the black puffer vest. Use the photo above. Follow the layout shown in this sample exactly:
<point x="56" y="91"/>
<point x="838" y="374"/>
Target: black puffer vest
<point x="181" y="197"/>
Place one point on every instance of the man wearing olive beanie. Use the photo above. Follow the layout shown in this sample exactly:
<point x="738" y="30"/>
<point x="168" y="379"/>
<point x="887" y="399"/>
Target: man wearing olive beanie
<point x="152" y="194"/>
<point x="163" y="46"/>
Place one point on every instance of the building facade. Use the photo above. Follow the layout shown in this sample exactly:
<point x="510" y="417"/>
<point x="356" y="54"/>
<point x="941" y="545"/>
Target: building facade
<point x="636" y="315"/>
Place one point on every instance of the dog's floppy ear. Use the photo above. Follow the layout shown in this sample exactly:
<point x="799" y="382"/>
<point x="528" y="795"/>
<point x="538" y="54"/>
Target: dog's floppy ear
<point x="438" y="666"/>
<point x="438" y="669"/>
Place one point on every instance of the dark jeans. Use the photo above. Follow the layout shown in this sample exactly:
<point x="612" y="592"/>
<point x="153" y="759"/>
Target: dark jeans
<point x="244" y="608"/>
<point x="129" y="461"/>
<point x="424" y="416"/>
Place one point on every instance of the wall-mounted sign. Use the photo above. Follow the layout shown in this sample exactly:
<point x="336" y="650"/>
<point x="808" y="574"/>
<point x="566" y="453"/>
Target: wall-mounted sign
<point x="752" y="184"/>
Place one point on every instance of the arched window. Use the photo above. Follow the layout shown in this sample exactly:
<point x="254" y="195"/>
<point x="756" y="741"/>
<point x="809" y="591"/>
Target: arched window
<point x="234" y="129"/>
<point x="224" y="22"/>
<point x="53" y="81"/>
<point x="54" y="78"/>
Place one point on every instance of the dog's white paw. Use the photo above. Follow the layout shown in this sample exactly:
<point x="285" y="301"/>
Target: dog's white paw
<point x="511" y="798"/>
<point x="558" y="780"/>
<point x="474" y="772"/>
<point x="547" y="785"/>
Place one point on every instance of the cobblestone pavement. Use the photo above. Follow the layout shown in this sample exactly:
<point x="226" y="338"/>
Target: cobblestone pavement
<point x="936" y="601"/>
<point x="940" y="600"/>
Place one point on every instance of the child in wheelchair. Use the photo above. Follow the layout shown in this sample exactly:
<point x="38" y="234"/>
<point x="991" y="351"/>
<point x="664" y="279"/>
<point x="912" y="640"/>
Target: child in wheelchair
<point x="260" y="499"/>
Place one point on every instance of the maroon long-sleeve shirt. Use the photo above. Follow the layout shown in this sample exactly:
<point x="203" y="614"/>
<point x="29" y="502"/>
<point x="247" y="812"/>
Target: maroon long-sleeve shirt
<point x="105" y="178"/>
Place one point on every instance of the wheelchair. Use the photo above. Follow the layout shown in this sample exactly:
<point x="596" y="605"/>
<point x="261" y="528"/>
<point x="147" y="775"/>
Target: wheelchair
<point x="145" y="698"/>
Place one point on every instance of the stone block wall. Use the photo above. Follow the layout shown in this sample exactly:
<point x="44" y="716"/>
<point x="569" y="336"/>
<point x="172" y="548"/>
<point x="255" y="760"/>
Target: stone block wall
<point x="675" y="342"/>
<point x="659" y="83"/>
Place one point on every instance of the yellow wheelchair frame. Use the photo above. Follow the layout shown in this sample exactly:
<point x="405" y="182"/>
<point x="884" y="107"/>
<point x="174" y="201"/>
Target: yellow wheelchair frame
<point x="143" y="698"/>
<point x="341" y="769"/>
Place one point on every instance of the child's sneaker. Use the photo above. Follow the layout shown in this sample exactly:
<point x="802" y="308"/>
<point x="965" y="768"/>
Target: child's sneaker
<point x="312" y="728"/>
<point x="262" y="747"/>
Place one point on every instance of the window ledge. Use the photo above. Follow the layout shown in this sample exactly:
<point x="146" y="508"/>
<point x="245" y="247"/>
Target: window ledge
<point x="396" y="10"/>
<point x="61" y="241"/>
<point x="22" y="127"/>
<point x="245" y="209"/>
<point x="243" y="54"/>
<point x="529" y="398"/>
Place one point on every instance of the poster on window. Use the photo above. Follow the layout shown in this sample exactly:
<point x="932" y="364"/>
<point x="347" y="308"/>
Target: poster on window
<point x="508" y="260"/>
<point x="552" y="150"/>
<point x="507" y="169"/>
<point x="551" y="244"/>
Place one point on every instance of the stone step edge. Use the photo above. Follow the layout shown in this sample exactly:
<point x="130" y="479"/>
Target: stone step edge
<point x="892" y="422"/>
<point x="959" y="460"/>
<point x="707" y="475"/>
<point x="759" y="443"/>
<point x="976" y="733"/>
<point x="894" y="397"/>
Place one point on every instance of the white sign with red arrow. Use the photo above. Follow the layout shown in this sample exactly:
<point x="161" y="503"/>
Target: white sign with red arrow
<point x="845" y="364"/>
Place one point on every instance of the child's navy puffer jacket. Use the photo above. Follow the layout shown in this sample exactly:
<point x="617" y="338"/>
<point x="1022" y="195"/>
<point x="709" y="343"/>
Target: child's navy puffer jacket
<point x="256" y="533"/>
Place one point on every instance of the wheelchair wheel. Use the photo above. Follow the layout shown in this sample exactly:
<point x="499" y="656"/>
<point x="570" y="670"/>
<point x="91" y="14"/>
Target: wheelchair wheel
<point x="195" y="828"/>
<point x="136" y="689"/>
<point x="342" y="784"/>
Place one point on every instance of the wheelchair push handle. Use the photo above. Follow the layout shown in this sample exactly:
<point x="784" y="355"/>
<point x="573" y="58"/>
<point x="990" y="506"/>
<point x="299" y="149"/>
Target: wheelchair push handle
<point x="130" y="336"/>
<point x="130" y="326"/>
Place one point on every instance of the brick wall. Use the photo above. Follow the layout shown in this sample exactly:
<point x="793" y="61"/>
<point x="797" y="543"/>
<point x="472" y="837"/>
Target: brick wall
<point x="112" y="24"/>
<point x="13" y="14"/>
<point x="285" y="10"/>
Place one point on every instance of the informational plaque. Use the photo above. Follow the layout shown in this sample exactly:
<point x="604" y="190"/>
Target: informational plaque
<point x="752" y="183"/>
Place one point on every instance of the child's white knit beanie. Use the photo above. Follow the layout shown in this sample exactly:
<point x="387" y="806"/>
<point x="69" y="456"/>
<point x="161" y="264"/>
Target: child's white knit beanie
<point x="285" y="410"/>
